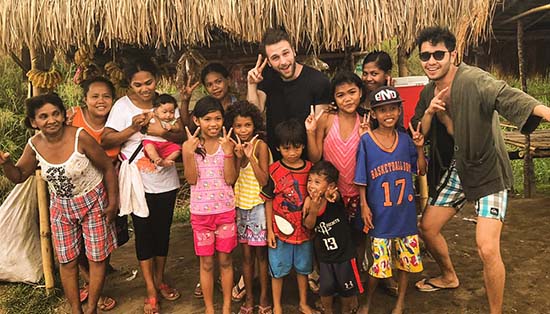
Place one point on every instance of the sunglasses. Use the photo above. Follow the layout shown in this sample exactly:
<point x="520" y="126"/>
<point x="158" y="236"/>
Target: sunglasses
<point x="438" y="55"/>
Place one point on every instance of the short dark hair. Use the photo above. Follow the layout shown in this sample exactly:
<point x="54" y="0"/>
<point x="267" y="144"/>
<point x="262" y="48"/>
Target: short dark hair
<point x="98" y="79"/>
<point x="327" y="169"/>
<point x="435" y="35"/>
<point x="165" y="99"/>
<point x="381" y="58"/>
<point x="141" y="64"/>
<point x="290" y="132"/>
<point x="206" y="105"/>
<point x="34" y="103"/>
<point x="346" y="77"/>
<point x="273" y="36"/>
<point x="245" y="109"/>
<point x="213" y="68"/>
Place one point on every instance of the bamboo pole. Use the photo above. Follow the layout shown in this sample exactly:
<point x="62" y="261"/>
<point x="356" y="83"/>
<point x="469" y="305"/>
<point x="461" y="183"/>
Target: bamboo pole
<point x="528" y="167"/>
<point x="43" y="208"/>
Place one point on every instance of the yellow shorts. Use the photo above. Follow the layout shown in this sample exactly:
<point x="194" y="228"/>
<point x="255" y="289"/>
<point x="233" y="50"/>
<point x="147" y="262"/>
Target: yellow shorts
<point x="407" y="254"/>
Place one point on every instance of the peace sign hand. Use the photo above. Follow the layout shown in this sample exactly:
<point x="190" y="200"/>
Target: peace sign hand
<point x="255" y="74"/>
<point x="226" y="143"/>
<point x="438" y="104"/>
<point x="192" y="142"/>
<point x="364" y="126"/>
<point x="417" y="136"/>
<point x="239" y="148"/>
<point x="249" y="147"/>
<point x="187" y="90"/>
<point x="331" y="194"/>
<point x="311" y="120"/>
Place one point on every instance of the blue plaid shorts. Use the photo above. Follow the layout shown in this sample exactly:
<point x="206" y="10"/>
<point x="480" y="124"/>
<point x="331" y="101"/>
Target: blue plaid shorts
<point x="450" y="194"/>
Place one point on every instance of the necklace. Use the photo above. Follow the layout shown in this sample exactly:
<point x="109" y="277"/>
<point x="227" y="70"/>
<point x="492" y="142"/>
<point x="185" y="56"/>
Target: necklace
<point x="394" y="133"/>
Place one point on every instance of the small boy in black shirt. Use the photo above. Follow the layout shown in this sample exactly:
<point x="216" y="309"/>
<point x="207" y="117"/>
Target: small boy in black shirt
<point x="324" y="212"/>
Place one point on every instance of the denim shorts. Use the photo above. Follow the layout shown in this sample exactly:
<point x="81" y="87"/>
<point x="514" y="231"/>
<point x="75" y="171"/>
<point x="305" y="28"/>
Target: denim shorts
<point x="286" y="256"/>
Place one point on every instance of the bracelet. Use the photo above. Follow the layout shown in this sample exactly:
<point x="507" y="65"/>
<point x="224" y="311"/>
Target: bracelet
<point x="228" y="156"/>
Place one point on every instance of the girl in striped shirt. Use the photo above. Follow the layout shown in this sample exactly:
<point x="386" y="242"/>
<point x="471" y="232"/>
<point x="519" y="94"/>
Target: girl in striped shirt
<point x="252" y="161"/>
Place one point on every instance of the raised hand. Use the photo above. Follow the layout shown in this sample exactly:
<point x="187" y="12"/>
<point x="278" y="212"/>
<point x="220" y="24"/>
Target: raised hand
<point x="311" y="120"/>
<point x="192" y="142"/>
<point x="331" y="194"/>
<point x="438" y="103"/>
<point x="187" y="90"/>
<point x="417" y="136"/>
<point x="364" y="126"/>
<point x="239" y="147"/>
<point x="226" y="142"/>
<point x="255" y="74"/>
<point x="248" y="147"/>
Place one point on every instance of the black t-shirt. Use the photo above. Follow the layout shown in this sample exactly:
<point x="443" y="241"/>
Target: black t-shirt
<point x="333" y="242"/>
<point x="291" y="99"/>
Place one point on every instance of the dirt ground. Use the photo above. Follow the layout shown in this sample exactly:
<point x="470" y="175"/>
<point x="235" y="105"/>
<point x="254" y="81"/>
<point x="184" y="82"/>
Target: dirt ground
<point x="525" y="250"/>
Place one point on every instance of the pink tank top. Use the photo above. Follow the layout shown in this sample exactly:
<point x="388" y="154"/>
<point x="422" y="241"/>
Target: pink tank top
<point x="342" y="154"/>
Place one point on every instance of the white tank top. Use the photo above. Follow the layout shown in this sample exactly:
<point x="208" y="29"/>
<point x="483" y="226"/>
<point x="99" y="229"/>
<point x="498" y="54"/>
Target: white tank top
<point x="74" y="177"/>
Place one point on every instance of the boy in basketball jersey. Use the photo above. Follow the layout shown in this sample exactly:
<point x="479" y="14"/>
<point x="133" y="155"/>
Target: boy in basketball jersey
<point x="386" y="161"/>
<point x="325" y="213"/>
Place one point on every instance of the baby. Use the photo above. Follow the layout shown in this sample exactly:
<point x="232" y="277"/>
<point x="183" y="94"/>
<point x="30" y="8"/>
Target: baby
<point x="162" y="152"/>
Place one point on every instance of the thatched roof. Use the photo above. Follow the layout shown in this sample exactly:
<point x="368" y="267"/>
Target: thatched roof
<point x="319" y="24"/>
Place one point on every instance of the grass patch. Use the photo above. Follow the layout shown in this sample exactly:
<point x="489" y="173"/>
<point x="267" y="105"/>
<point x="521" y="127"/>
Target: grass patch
<point x="16" y="298"/>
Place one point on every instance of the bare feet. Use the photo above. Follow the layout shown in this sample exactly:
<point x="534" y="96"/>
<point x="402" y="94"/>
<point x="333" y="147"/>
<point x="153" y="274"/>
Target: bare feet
<point x="363" y="309"/>
<point x="306" y="309"/>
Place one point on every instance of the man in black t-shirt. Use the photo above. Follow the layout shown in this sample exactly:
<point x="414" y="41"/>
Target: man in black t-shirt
<point x="286" y="89"/>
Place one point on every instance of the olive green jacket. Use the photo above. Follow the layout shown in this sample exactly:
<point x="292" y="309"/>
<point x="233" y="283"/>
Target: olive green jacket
<point x="477" y="98"/>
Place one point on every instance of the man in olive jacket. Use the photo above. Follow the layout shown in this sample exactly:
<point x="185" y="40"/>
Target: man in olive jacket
<point x="467" y="101"/>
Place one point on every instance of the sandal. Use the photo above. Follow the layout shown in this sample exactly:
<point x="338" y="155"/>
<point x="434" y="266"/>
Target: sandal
<point x="313" y="285"/>
<point x="168" y="292"/>
<point x="246" y="310"/>
<point x="198" y="291"/>
<point x="151" y="306"/>
<point x="106" y="303"/>
<point x="265" y="309"/>
<point x="83" y="293"/>
<point x="238" y="292"/>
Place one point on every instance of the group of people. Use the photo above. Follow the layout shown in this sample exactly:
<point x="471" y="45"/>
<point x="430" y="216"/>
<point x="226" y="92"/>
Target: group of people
<point x="330" y="165"/>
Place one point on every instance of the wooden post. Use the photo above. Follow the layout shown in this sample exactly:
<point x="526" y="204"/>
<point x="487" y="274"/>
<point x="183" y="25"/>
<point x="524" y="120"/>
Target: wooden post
<point x="42" y="191"/>
<point x="402" y="57"/>
<point x="528" y="166"/>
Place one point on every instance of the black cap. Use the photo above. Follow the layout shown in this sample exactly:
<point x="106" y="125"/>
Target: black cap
<point x="383" y="96"/>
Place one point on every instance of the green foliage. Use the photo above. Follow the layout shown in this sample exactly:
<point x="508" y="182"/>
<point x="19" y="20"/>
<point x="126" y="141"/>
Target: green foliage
<point x="13" y="91"/>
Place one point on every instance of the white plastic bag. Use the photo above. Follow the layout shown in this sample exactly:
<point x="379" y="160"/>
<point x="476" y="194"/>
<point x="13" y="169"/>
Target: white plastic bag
<point x="132" y="195"/>
<point x="20" y="260"/>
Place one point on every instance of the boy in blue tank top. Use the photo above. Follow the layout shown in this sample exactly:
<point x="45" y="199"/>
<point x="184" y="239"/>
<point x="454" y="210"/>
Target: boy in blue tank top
<point x="386" y="161"/>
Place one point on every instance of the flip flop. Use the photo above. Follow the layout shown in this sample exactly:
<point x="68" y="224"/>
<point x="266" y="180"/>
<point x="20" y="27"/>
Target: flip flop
<point x="425" y="285"/>
<point x="168" y="292"/>
<point x="151" y="306"/>
<point x="198" y="291"/>
<point x="83" y="293"/>
<point x="106" y="303"/>
<point x="238" y="292"/>
<point x="246" y="310"/>
<point x="265" y="309"/>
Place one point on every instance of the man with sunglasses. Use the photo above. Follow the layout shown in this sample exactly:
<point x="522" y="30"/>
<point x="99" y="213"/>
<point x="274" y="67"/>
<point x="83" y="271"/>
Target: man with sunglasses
<point x="459" y="111"/>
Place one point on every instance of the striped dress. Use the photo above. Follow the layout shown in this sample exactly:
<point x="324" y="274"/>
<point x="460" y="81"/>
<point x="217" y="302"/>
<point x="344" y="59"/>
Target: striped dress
<point x="342" y="154"/>
<point x="247" y="188"/>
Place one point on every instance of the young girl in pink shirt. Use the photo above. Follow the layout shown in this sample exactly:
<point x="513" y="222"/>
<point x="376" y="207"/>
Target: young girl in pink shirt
<point x="209" y="167"/>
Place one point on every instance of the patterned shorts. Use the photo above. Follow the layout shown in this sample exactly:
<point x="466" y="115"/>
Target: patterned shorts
<point x="216" y="232"/>
<point x="450" y="194"/>
<point x="81" y="218"/>
<point x="251" y="226"/>
<point x="407" y="252"/>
